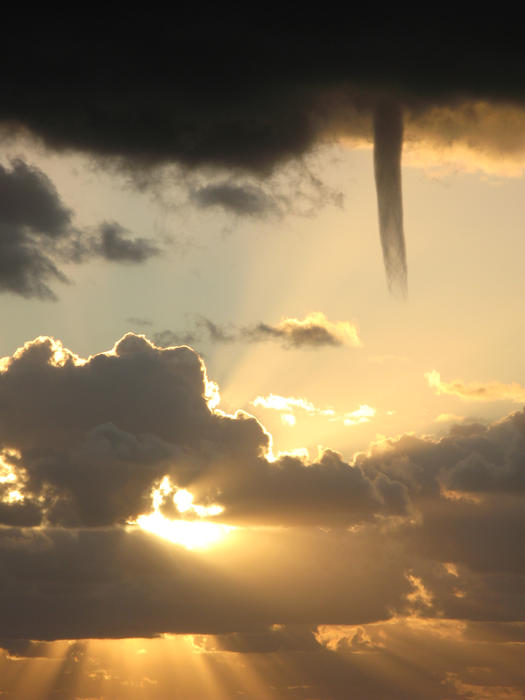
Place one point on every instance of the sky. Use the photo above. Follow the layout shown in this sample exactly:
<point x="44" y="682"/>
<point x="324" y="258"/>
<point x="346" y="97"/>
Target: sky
<point x="262" y="430"/>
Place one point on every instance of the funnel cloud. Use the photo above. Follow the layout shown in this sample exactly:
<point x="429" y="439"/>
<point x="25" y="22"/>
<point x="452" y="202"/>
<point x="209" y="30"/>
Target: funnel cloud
<point x="388" y="144"/>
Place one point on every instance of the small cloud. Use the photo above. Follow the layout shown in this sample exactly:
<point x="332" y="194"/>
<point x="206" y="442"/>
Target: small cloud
<point x="476" y="391"/>
<point x="243" y="200"/>
<point x="361" y="415"/>
<point x="115" y="245"/>
<point x="314" y="331"/>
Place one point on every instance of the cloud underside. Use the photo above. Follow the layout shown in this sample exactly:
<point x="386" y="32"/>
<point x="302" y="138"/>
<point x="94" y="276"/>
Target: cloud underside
<point x="406" y="659"/>
<point x="394" y="532"/>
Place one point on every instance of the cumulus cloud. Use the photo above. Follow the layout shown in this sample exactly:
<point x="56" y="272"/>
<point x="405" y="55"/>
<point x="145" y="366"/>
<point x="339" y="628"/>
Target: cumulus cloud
<point x="37" y="235"/>
<point x="417" y="541"/>
<point x="87" y="441"/>
<point x="91" y="437"/>
<point x="314" y="331"/>
<point x="476" y="391"/>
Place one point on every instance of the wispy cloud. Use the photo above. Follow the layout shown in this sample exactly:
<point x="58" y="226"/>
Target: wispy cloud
<point x="288" y="406"/>
<point x="314" y="331"/>
<point x="476" y="391"/>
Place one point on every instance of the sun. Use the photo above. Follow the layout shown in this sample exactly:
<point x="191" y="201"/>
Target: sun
<point x="196" y="533"/>
<point x="192" y="534"/>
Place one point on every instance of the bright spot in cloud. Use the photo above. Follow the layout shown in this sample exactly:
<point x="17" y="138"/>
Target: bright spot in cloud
<point x="286" y="405"/>
<point x="183" y="499"/>
<point x="192" y="534"/>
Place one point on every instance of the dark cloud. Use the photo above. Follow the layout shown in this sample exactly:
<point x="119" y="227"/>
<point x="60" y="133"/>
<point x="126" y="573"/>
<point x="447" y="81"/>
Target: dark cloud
<point x="32" y="221"/>
<point x="244" y="200"/>
<point x="30" y="200"/>
<point x="264" y="641"/>
<point x="327" y="492"/>
<point x="116" y="247"/>
<point x="262" y="98"/>
<point x="293" y="334"/>
<point x="24" y="268"/>
<point x="268" y="96"/>
<point x="314" y="331"/>
<point x="37" y="235"/>
<point x="63" y="583"/>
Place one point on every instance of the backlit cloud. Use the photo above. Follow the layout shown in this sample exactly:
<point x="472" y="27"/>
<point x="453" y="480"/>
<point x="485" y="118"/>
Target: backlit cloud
<point x="332" y="558"/>
<point x="90" y="439"/>
<point x="476" y="391"/>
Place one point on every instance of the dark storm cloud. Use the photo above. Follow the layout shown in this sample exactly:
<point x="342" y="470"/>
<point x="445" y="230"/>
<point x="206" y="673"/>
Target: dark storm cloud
<point x="270" y="93"/>
<point x="37" y="235"/>
<point x="314" y="331"/>
<point x="264" y="96"/>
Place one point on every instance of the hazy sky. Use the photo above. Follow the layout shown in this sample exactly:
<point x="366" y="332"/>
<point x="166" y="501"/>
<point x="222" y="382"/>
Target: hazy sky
<point x="232" y="464"/>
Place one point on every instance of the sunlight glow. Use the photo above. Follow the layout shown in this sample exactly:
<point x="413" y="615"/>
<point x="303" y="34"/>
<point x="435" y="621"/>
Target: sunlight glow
<point x="286" y="405"/>
<point x="361" y="415"/>
<point x="192" y="534"/>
